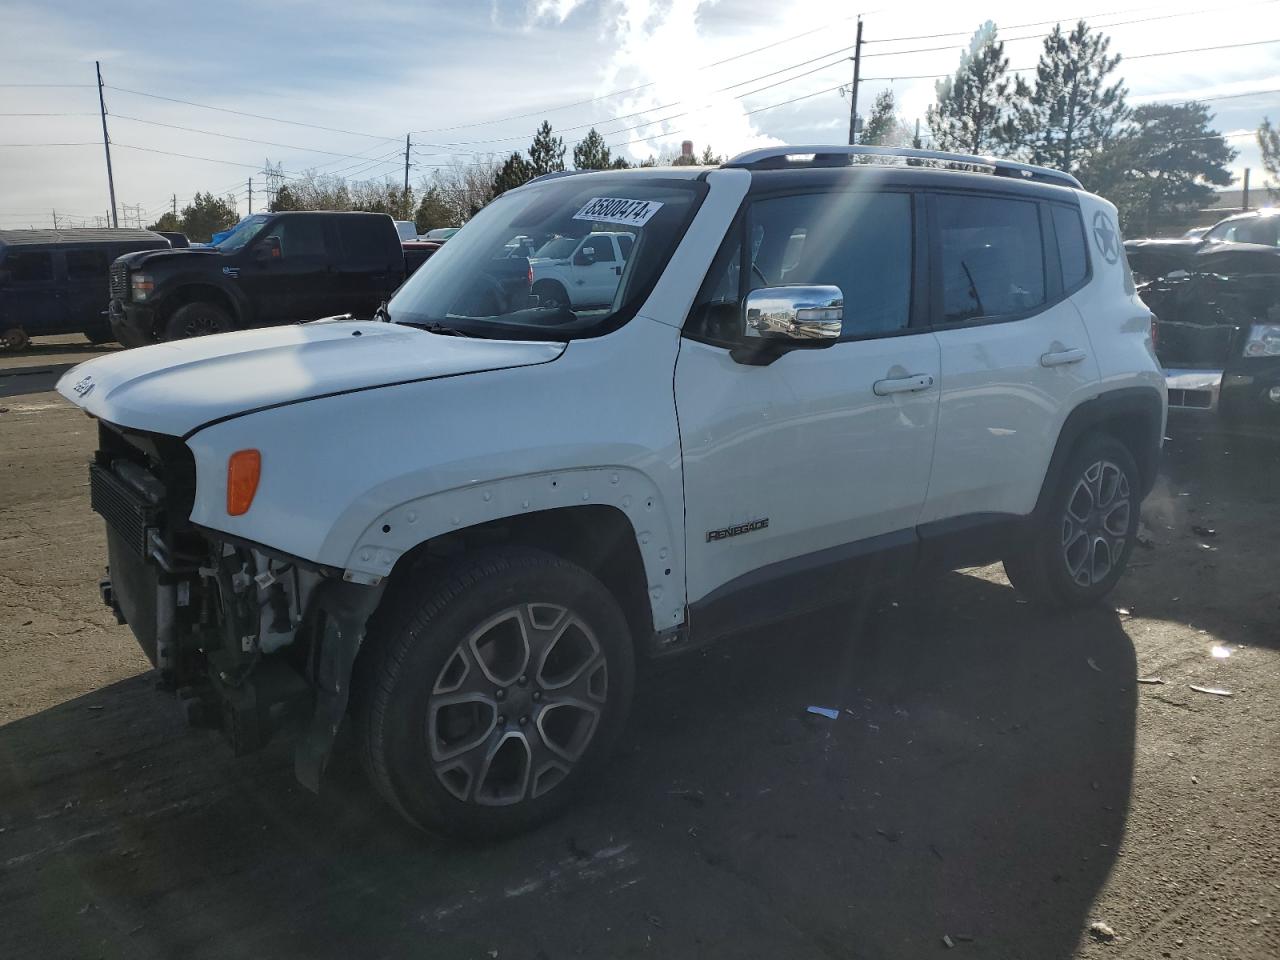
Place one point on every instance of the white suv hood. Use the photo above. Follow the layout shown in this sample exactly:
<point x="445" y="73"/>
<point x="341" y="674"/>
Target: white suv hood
<point x="177" y="387"/>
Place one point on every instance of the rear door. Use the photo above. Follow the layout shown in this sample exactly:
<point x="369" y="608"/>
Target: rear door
<point x="87" y="287"/>
<point x="364" y="274"/>
<point x="30" y="295"/>
<point x="798" y="472"/>
<point x="1015" y="354"/>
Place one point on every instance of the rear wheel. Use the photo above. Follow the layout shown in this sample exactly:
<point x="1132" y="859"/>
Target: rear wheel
<point x="13" y="340"/>
<point x="197" y="319"/>
<point x="1083" y="540"/>
<point x="491" y="696"/>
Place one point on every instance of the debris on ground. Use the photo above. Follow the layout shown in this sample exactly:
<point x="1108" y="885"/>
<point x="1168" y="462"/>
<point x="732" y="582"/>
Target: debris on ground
<point x="1101" y="932"/>
<point x="1124" y="611"/>
<point x="1200" y="531"/>
<point x="1093" y="665"/>
<point x="1150" y="680"/>
<point x="694" y="797"/>
<point x="829" y="712"/>
<point x="947" y="942"/>
<point x="1216" y="691"/>
<point x="1220" y="652"/>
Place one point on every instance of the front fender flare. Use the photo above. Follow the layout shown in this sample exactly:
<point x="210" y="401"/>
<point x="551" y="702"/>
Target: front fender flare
<point x="659" y="538"/>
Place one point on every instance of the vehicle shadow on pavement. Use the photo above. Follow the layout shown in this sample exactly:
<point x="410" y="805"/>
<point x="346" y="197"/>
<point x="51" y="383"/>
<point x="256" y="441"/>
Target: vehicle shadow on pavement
<point x="974" y="785"/>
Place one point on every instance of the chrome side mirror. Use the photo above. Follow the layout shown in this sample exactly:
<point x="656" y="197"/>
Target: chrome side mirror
<point x="799" y="316"/>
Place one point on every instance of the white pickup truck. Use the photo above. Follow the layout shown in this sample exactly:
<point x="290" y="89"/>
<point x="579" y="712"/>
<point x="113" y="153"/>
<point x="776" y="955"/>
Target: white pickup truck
<point x="580" y="273"/>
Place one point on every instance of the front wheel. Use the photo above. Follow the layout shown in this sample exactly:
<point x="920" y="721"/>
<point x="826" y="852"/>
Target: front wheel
<point x="197" y="319"/>
<point x="1082" y="542"/>
<point x="490" y="697"/>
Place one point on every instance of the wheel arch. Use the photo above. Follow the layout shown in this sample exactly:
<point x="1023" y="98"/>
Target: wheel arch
<point x="201" y="292"/>
<point x="1133" y="415"/>
<point x="612" y="521"/>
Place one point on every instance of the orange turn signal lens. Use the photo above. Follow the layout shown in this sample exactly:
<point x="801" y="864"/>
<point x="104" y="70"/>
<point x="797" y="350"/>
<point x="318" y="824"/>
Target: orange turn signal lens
<point x="243" y="470"/>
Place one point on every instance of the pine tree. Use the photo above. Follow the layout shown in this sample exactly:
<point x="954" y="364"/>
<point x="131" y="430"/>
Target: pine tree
<point x="709" y="159"/>
<point x="514" y="172"/>
<point x="592" y="153"/>
<point x="432" y="211"/>
<point x="1163" y="164"/>
<point x="1269" y="144"/>
<point x="546" y="153"/>
<point x="206" y="215"/>
<point x="1072" y="112"/>
<point x="882" y="127"/>
<point x="972" y="114"/>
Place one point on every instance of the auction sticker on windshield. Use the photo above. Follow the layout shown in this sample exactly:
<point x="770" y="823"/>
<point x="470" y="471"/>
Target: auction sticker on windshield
<point x="619" y="210"/>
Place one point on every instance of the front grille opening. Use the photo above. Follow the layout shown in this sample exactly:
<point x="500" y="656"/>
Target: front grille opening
<point x="1193" y="399"/>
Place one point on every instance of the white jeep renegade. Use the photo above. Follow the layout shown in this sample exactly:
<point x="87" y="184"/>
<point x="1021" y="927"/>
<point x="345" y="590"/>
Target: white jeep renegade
<point x="463" y="522"/>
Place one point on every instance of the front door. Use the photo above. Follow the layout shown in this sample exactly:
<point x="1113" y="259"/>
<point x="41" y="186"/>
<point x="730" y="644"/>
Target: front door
<point x="596" y="269"/>
<point x="802" y="473"/>
<point x="287" y="274"/>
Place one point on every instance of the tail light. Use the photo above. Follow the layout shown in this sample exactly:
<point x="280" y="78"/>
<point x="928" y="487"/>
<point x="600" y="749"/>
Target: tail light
<point x="531" y="275"/>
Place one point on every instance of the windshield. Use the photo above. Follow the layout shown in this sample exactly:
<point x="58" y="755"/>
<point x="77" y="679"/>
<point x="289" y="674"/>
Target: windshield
<point x="600" y="242"/>
<point x="245" y="231"/>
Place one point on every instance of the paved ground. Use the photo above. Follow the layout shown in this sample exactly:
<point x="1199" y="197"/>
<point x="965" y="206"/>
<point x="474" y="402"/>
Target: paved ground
<point x="996" y="775"/>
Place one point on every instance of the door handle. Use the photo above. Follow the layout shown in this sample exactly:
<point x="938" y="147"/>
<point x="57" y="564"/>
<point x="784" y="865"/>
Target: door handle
<point x="921" y="381"/>
<point x="1062" y="357"/>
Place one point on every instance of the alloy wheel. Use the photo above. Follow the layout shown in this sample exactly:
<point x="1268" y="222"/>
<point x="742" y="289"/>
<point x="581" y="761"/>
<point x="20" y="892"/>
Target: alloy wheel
<point x="516" y="705"/>
<point x="1095" y="524"/>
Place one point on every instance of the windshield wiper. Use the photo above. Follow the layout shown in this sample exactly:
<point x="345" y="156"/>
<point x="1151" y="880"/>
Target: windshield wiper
<point x="435" y="326"/>
<point x="381" y="313"/>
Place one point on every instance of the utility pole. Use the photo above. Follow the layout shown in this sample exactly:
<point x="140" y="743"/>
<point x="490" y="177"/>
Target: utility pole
<point x="175" y="206"/>
<point x="853" y="91"/>
<point x="406" y="166"/>
<point x="1244" y="199"/>
<point x="251" y="196"/>
<point x="106" y="143"/>
<point x="55" y="219"/>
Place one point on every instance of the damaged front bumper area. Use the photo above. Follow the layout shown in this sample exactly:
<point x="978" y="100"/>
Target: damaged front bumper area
<point x="251" y="640"/>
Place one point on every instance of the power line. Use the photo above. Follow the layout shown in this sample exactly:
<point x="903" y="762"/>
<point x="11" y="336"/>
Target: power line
<point x="256" y="116"/>
<point x="229" y="136"/>
<point x="78" y="143"/>
<point x="84" y="114"/>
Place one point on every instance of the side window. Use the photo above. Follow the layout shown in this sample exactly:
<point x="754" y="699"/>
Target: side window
<point x="1072" y="250"/>
<point x="300" y="237"/>
<point x="992" y="260"/>
<point x="625" y="242"/>
<point x="364" y="241"/>
<point x="86" y="265"/>
<point x="1257" y="230"/>
<point x="859" y="242"/>
<point x="602" y="246"/>
<point x="29" y="267"/>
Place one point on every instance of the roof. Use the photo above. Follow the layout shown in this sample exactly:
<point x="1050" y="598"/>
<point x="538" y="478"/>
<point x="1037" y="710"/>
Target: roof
<point x="86" y="235"/>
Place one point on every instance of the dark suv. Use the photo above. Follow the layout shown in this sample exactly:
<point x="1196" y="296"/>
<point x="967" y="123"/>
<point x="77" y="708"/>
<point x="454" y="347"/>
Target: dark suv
<point x="55" y="281"/>
<point x="273" y="268"/>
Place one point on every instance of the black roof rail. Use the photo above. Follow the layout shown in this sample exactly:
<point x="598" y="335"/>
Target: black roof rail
<point x="791" y="157"/>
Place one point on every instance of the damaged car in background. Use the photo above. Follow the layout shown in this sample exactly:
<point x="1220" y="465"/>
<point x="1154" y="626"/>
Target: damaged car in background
<point x="1218" y="333"/>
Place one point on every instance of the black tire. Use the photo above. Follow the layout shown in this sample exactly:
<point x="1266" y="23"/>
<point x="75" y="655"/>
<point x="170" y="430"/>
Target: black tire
<point x="197" y="319"/>
<point x="499" y="774"/>
<point x="1086" y="532"/>
<point x="551" y="293"/>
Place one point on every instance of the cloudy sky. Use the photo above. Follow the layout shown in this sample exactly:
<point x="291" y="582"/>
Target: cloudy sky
<point x="468" y="79"/>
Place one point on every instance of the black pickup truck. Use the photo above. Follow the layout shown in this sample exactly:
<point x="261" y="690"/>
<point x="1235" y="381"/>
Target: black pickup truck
<point x="273" y="268"/>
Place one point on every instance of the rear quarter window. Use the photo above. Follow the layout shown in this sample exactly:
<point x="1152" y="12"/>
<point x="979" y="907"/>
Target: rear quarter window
<point x="1073" y="252"/>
